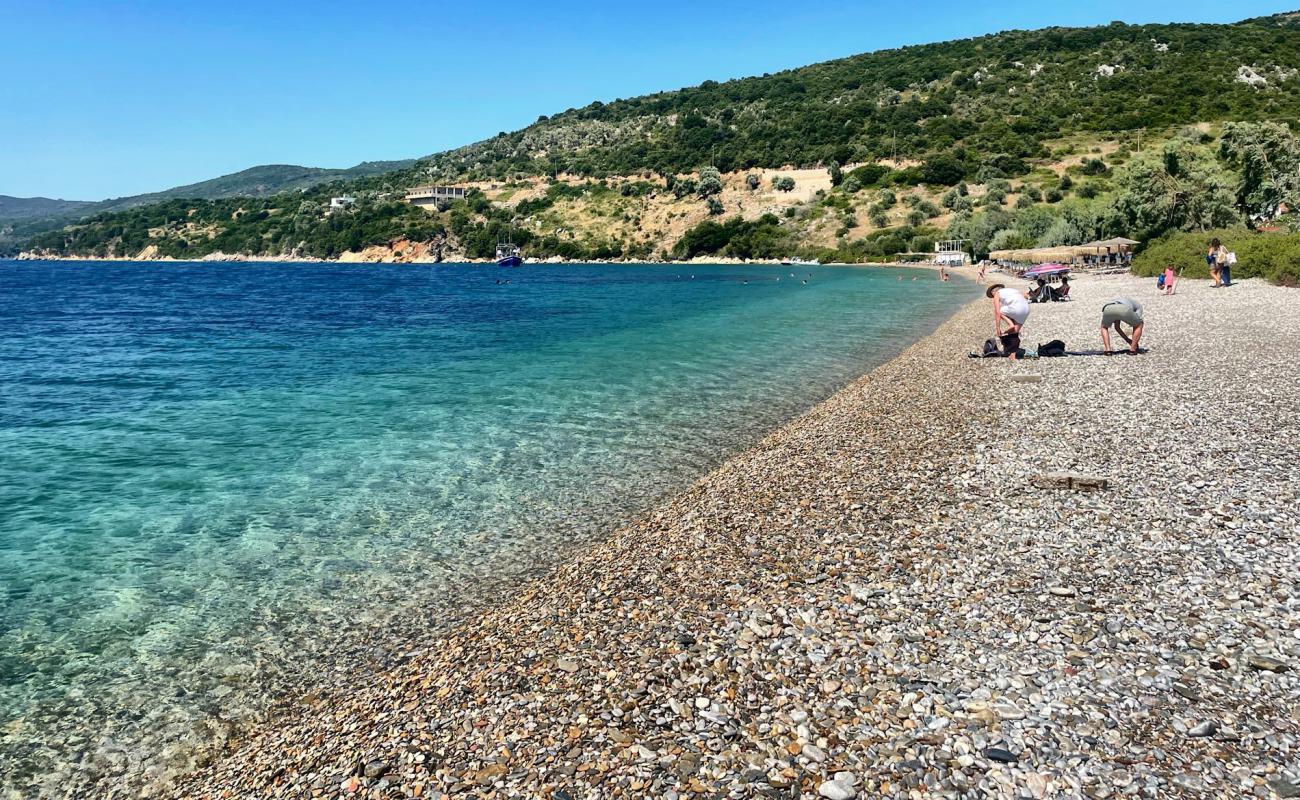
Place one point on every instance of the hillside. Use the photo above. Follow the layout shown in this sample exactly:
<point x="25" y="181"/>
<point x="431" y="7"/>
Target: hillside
<point x="1046" y="135"/>
<point x="27" y="207"/>
<point x="23" y="217"/>
<point x="261" y="181"/>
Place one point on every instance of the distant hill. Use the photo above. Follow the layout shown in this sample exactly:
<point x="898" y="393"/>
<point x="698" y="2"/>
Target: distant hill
<point x="262" y="181"/>
<point x="22" y="217"/>
<point x="1010" y="139"/>
<point x="27" y="207"/>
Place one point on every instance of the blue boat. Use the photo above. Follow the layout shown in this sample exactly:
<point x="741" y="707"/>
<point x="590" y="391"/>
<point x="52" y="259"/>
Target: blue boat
<point x="508" y="255"/>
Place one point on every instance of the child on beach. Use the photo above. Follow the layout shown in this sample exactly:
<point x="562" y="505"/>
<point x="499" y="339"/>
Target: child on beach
<point x="1170" y="279"/>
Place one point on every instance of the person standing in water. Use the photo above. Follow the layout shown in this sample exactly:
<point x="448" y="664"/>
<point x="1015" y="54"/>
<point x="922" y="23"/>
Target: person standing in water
<point x="1010" y="311"/>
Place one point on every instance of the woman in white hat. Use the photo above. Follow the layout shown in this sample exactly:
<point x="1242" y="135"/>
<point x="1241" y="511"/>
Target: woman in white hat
<point x="1010" y="310"/>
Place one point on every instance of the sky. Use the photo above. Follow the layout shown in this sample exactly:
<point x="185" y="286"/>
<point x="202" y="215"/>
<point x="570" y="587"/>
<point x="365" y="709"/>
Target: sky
<point x="100" y="98"/>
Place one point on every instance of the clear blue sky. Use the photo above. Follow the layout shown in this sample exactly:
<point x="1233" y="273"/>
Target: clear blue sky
<point x="100" y="98"/>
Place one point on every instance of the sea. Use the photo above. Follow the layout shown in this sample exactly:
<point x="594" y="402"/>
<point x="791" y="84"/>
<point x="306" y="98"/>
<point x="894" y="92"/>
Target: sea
<point x="221" y="482"/>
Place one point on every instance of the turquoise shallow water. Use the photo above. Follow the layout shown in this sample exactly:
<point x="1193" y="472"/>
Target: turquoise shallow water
<point x="217" y="478"/>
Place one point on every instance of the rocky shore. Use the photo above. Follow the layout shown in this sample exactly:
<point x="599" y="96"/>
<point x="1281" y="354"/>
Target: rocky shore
<point x="881" y="600"/>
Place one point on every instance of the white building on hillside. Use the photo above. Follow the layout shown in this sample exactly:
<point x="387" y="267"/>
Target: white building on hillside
<point x="429" y="196"/>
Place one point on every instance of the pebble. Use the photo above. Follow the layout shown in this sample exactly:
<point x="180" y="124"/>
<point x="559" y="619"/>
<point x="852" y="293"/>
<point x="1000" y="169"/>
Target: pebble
<point x="835" y="790"/>
<point x="1207" y="728"/>
<point x="878" y="601"/>
<point x="1000" y="755"/>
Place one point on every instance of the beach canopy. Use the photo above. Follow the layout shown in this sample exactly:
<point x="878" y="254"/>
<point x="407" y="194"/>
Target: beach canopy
<point x="1117" y="242"/>
<point x="1043" y="270"/>
<point x="1064" y="254"/>
<point x="1038" y="255"/>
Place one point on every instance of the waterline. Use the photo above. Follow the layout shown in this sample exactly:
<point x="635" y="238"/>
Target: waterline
<point x="225" y="476"/>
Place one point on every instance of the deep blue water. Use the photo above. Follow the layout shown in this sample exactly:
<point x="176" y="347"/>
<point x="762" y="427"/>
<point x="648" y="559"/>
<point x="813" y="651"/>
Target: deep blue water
<point x="205" y="466"/>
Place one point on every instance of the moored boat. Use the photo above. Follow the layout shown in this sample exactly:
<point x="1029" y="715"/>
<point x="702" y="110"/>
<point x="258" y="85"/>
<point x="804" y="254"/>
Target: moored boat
<point x="508" y="255"/>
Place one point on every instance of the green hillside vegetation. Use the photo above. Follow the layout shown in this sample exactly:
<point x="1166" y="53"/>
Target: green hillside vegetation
<point x="21" y="218"/>
<point x="1016" y="139"/>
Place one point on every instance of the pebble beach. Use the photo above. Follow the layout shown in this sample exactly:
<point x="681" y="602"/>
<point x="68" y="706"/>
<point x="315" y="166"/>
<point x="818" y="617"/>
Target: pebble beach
<point x="895" y="596"/>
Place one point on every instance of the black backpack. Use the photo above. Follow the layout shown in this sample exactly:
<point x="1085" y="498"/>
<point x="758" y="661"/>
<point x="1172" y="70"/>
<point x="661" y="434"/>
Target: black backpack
<point x="1052" y="349"/>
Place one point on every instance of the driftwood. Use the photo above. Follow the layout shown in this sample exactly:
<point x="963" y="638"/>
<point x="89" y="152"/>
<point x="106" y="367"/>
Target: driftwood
<point x="1071" y="480"/>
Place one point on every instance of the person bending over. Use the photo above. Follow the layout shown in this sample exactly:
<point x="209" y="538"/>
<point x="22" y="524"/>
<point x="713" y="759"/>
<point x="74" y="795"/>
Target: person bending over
<point x="1010" y="310"/>
<point x="1117" y="313"/>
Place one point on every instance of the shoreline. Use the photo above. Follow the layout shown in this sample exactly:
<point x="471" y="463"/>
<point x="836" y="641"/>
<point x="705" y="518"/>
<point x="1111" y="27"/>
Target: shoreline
<point x="862" y="599"/>
<point x="226" y="697"/>
<point x="698" y="261"/>
<point x="855" y="607"/>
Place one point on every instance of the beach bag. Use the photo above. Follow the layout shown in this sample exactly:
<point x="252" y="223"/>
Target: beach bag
<point x="1052" y="349"/>
<point x="1231" y="259"/>
<point x="991" y="348"/>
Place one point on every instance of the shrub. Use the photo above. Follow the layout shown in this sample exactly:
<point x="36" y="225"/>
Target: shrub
<point x="943" y="170"/>
<point x="1273" y="256"/>
<point x="1094" y="166"/>
<point x="851" y="185"/>
<point x="869" y="174"/>
<point x="710" y="182"/>
<point x="752" y="181"/>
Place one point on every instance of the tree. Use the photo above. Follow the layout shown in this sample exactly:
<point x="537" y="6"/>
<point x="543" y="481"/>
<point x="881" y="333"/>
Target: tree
<point x="943" y="170"/>
<point x="715" y="206"/>
<point x="683" y="187"/>
<point x="752" y="181"/>
<point x="1267" y="154"/>
<point x="837" y="174"/>
<point x="710" y="182"/>
<point x="1010" y="239"/>
<point x="1062" y="232"/>
<point x="1094" y="166"/>
<point x="783" y="183"/>
<point x="1177" y="189"/>
<point x="870" y="174"/>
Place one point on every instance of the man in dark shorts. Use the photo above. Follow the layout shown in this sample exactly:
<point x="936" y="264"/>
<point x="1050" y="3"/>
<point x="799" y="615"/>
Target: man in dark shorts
<point x="1118" y="312"/>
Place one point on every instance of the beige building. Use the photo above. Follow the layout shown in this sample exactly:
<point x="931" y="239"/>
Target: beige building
<point x="430" y="196"/>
